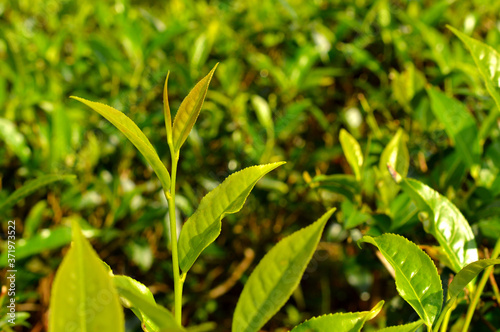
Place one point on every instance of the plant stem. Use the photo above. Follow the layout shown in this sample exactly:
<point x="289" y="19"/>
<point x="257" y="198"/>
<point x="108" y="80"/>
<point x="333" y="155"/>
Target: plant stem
<point x="173" y="241"/>
<point x="479" y="289"/>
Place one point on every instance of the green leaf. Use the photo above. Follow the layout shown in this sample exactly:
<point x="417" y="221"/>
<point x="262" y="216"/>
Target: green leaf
<point x="417" y="279"/>
<point x="343" y="322"/>
<point x="487" y="60"/>
<point x="140" y="300"/>
<point x="135" y="135"/>
<point x="444" y="221"/>
<point x="203" y="227"/>
<point x="352" y="152"/>
<point x="395" y="154"/>
<point x="459" y="125"/>
<point x="467" y="274"/>
<point x="410" y="327"/>
<point x="189" y="110"/>
<point x="32" y="186"/>
<point x="83" y="296"/>
<point x="276" y="276"/>
<point x="46" y="239"/>
<point x="14" y="140"/>
<point x="166" y="112"/>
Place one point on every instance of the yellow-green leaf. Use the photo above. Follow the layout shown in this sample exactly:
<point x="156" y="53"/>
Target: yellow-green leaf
<point x="83" y="296"/>
<point x="140" y="300"/>
<point x="352" y="152"/>
<point x="166" y="112"/>
<point x="487" y="60"/>
<point x="135" y="135"/>
<point x="467" y="274"/>
<point x="417" y="279"/>
<point x="203" y="227"/>
<point x="343" y="322"/>
<point x="410" y="327"/>
<point x="189" y="110"/>
<point x="276" y="276"/>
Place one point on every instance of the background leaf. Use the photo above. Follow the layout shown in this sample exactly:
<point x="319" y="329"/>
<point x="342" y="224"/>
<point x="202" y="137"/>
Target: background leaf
<point x="417" y="280"/>
<point x="352" y="151"/>
<point x="32" y="186"/>
<point x="135" y="135"/>
<point x="459" y="125"/>
<point x="203" y="227"/>
<point x="276" y="276"/>
<point x="83" y="296"/>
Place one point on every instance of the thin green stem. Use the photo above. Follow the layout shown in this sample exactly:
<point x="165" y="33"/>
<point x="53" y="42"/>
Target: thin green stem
<point x="173" y="240"/>
<point x="479" y="289"/>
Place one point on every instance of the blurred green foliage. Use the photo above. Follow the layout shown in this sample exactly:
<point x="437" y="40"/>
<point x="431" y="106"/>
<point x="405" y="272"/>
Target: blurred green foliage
<point x="291" y="75"/>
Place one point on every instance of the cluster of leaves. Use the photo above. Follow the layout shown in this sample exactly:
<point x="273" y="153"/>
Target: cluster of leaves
<point x="403" y="87"/>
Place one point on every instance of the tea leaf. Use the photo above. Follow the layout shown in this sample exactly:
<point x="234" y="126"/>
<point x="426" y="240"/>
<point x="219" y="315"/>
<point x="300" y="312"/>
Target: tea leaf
<point x="459" y="125"/>
<point x="343" y="322"/>
<point x="445" y="222"/>
<point x="395" y="154"/>
<point x="410" y="327"/>
<point x="417" y="279"/>
<point x="83" y="295"/>
<point x="468" y="273"/>
<point x="140" y="300"/>
<point x="352" y="152"/>
<point x="189" y="110"/>
<point x="203" y="227"/>
<point x="135" y="135"/>
<point x="47" y="239"/>
<point x="276" y="276"/>
<point x="32" y="186"/>
<point x="487" y="60"/>
<point x="166" y="112"/>
<point x="14" y="139"/>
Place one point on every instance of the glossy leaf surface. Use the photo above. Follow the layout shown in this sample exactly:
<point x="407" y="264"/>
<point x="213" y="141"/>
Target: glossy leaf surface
<point x="32" y="186"/>
<point x="134" y="135"/>
<point x="445" y="222"/>
<point x="140" y="300"/>
<point x="487" y="60"/>
<point x="417" y="279"/>
<point x="343" y="322"/>
<point x="203" y="227"/>
<point x="459" y="124"/>
<point x="410" y="327"/>
<point x="189" y="110"/>
<point x="352" y="152"/>
<point x="276" y="276"/>
<point x="83" y="296"/>
<point x="395" y="154"/>
<point x="467" y="274"/>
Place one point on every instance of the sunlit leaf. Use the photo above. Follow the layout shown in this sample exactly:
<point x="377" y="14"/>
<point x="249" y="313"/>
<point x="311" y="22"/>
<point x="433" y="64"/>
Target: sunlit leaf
<point x="32" y="186"/>
<point x="14" y="139"/>
<point x="140" y="300"/>
<point x="166" y="111"/>
<point x="83" y="295"/>
<point x="189" y="110"/>
<point x="444" y="221"/>
<point x="135" y="135"/>
<point x="417" y="279"/>
<point x="395" y="154"/>
<point x="410" y="327"/>
<point x="203" y="227"/>
<point x="352" y="152"/>
<point x="459" y="125"/>
<point x="276" y="276"/>
<point x="467" y="274"/>
<point x="343" y="322"/>
<point x="487" y="60"/>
